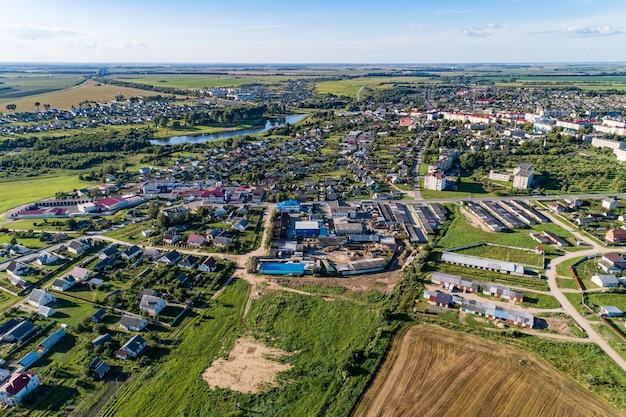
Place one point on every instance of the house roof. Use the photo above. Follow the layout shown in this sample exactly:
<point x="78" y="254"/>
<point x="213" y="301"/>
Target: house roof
<point x="79" y="273"/>
<point x="210" y="262"/>
<point x="195" y="239"/>
<point x="98" y="315"/>
<point x="100" y="340"/>
<point x="482" y="262"/>
<point x="135" y="344"/>
<point x="18" y="382"/>
<point x="614" y="257"/>
<point x="150" y="302"/>
<point x="611" y="309"/>
<point x="130" y="321"/>
<point x="37" y="296"/>
<point x="132" y="250"/>
<point x="21" y="329"/>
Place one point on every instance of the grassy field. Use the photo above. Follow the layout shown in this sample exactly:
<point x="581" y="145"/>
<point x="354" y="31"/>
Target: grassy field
<point x="351" y="86"/>
<point x="321" y="346"/>
<point x="505" y="254"/>
<point x="429" y="370"/>
<point x="461" y="233"/>
<point x="617" y="299"/>
<point x="17" y="192"/>
<point x="68" y="97"/>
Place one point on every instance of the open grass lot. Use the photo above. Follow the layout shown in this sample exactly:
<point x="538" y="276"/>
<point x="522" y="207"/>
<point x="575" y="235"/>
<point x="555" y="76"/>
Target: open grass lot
<point x="326" y="374"/>
<point x="14" y="86"/>
<point x="431" y="371"/>
<point x="482" y="275"/>
<point x="505" y="254"/>
<point x="461" y="233"/>
<point x="21" y="191"/>
<point x="68" y="97"/>
<point x="537" y="300"/>
<point x="568" y="283"/>
<point x="7" y="300"/>
<point x="467" y="188"/>
<point x="615" y="298"/>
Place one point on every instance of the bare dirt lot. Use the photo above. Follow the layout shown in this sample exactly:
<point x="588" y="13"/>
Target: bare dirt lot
<point x="434" y="372"/>
<point x="250" y="367"/>
<point x="475" y="221"/>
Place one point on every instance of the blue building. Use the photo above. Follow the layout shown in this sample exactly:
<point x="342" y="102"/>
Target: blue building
<point x="271" y="268"/>
<point x="307" y="229"/>
<point x="288" y="206"/>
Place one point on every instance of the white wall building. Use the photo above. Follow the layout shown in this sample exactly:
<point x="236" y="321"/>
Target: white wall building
<point x="435" y="181"/>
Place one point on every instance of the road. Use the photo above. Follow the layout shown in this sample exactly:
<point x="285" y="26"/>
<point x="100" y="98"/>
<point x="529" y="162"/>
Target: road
<point x="565" y="303"/>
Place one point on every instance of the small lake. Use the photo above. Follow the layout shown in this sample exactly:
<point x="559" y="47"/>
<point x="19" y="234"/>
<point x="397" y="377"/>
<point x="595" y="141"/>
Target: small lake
<point x="269" y="124"/>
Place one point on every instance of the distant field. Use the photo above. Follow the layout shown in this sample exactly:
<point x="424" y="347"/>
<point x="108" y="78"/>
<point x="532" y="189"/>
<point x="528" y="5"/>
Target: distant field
<point x="201" y="81"/>
<point x="14" y="86"/>
<point x="66" y="98"/>
<point x="432" y="372"/>
<point x="350" y="87"/>
<point x="17" y="192"/>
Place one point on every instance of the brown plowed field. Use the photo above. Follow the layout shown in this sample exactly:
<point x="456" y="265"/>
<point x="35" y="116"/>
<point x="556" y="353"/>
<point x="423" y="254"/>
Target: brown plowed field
<point x="433" y="372"/>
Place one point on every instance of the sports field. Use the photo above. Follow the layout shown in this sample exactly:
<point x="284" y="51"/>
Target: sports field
<point x="434" y="372"/>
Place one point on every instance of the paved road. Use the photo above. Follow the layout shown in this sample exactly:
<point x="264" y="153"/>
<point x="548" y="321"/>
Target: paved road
<point x="565" y="303"/>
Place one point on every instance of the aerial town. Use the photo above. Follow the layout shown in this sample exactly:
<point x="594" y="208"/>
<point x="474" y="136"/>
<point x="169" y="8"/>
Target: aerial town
<point x="195" y="226"/>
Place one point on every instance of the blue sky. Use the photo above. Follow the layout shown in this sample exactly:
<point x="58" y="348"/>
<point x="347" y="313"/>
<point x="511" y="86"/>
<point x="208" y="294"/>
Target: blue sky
<point x="315" y="31"/>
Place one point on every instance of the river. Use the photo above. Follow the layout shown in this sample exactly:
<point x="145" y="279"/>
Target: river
<point x="270" y="123"/>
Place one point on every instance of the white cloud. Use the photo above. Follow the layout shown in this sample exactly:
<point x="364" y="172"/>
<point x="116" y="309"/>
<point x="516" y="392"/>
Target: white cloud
<point x="493" y="26"/>
<point x="33" y="33"/>
<point x="599" y="31"/>
<point x="474" y="33"/>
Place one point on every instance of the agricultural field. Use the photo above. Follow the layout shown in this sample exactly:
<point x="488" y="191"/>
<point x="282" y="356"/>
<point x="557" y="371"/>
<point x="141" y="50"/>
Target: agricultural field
<point x="15" y="86"/>
<point x="72" y="96"/>
<point x="350" y="87"/>
<point x="202" y="81"/>
<point x="429" y="369"/>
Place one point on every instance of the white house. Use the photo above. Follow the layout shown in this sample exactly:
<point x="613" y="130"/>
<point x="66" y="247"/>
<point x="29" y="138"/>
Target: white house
<point x="131" y="253"/>
<point x="209" y="265"/>
<point x="605" y="280"/>
<point x="77" y="247"/>
<point x="609" y="203"/>
<point x="17" y="269"/>
<point x="38" y="298"/>
<point x="80" y="274"/>
<point x="610" y="311"/>
<point x="63" y="284"/>
<point x="132" y="348"/>
<point x="17" y="387"/>
<point x="131" y="323"/>
<point x="46" y="258"/>
<point x="151" y="304"/>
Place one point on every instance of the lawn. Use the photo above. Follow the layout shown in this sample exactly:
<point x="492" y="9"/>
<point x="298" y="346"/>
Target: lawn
<point x="537" y="300"/>
<point x="617" y="299"/>
<point x="70" y="310"/>
<point x="568" y="283"/>
<point x="21" y="191"/>
<point x="506" y="254"/>
<point x="461" y="233"/>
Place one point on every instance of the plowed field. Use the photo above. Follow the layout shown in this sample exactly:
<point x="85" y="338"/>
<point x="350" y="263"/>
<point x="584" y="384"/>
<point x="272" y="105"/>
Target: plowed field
<point x="433" y="372"/>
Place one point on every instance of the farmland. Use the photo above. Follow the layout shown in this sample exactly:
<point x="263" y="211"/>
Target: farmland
<point x="14" y="86"/>
<point x="350" y="87"/>
<point x="201" y="81"/>
<point x="72" y="96"/>
<point x="429" y="369"/>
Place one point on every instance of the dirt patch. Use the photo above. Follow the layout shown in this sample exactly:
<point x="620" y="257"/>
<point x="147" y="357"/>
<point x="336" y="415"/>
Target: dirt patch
<point x="474" y="221"/>
<point x="250" y="367"/>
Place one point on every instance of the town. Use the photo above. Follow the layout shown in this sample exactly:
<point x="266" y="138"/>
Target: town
<point x="498" y="210"/>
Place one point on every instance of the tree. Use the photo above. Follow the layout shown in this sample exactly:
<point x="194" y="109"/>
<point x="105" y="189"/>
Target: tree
<point x="153" y="211"/>
<point x="11" y="107"/>
<point x="37" y="104"/>
<point x="46" y="106"/>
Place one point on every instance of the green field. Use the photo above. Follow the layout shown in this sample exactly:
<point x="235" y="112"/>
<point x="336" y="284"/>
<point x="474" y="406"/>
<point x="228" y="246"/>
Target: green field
<point x="17" y="192"/>
<point x="351" y="86"/>
<point x="321" y="343"/>
<point x="13" y="86"/>
<point x="505" y="254"/>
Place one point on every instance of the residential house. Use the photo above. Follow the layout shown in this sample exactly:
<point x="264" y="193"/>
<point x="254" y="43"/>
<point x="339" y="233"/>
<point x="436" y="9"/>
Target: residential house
<point x="63" y="284"/>
<point x="19" y="385"/>
<point x="98" y="367"/>
<point x="171" y="238"/>
<point x="98" y="315"/>
<point x="134" y="324"/>
<point x="611" y="311"/>
<point x="241" y="225"/>
<point x="170" y="258"/>
<point x="102" y="339"/>
<point x="616" y="236"/>
<point x="151" y="254"/>
<point x="109" y="251"/>
<point x="46" y="311"/>
<point x="80" y="274"/>
<point x="612" y="262"/>
<point x="222" y="240"/>
<point x="38" y="298"/>
<point x="609" y="203"/>
<point x="605" y="281"/>
<point x="435" y="181"/>
<point x="196" y="240"/>
<point x="151" y="304"/>
<point x="131" y="252"/>
<point x="77" y="247"/>
<point x="132" y="348"/>
<point x="209" y="265"/>
<point x="189" y="262"/>
<point x="17" y="269"/>
<point x="46" y="258"/>
<point x="17" y="331"/>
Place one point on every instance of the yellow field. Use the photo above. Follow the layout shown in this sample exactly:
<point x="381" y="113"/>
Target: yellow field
<point x="64" y="99"/>
<point x="434" y="372"/>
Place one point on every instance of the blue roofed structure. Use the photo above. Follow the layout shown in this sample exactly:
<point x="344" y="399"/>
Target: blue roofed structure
<point x="271" y="268"/>
<point x="30" y="358"/>
<point x="289" y="206"/>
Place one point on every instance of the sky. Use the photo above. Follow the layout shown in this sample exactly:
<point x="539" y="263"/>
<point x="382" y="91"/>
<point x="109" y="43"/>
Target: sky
<point x="313" y="31"/>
